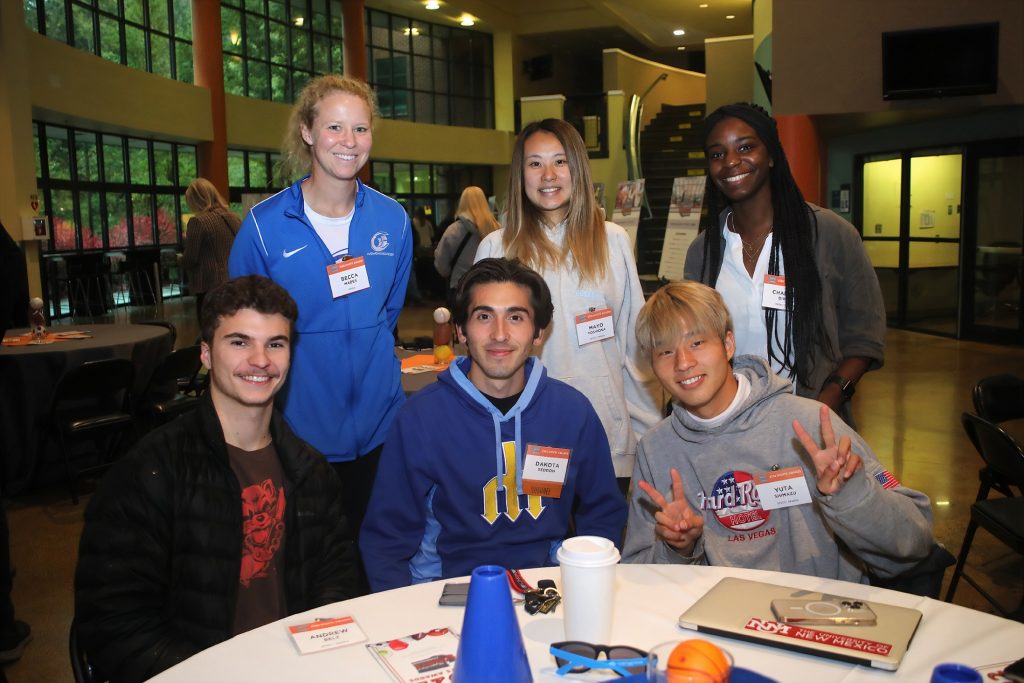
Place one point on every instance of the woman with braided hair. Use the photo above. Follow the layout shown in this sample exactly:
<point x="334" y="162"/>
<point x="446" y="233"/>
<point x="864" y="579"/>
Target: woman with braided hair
<point x="796" y="277"/>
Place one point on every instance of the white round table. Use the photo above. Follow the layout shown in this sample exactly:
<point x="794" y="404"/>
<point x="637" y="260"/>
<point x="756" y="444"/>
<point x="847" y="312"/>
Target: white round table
<point x="648" y="602"/>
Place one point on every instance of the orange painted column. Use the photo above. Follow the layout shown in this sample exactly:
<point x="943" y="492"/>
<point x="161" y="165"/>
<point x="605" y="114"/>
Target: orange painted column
<point x="353" y="15"/>
<point x="208" y="66"/>
<point x="800" y="140"/>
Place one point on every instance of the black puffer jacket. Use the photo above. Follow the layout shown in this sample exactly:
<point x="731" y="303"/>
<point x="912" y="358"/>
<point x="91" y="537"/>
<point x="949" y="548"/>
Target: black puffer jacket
<point x="160" y="555"/>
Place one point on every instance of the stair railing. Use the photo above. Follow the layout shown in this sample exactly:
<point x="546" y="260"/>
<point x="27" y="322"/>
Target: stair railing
<point x="636" y="113"/>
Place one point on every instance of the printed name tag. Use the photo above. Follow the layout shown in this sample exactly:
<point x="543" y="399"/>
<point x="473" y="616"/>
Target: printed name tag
<point x="783" y="488"/>
<point x="774" y="293"/>
<point x="348" y="276"/>
<point x="594" y="326"/>
<point x="324" y="634"/>
<point x="544" y="470"/>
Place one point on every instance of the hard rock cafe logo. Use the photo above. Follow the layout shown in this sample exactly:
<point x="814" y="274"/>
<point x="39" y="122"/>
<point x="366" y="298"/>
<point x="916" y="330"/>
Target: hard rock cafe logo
<point x="735" y="502"/>
<point x="379" y="241"/>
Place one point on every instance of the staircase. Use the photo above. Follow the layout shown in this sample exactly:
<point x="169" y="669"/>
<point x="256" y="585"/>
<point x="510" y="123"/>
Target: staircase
<point x="671" y="146"/>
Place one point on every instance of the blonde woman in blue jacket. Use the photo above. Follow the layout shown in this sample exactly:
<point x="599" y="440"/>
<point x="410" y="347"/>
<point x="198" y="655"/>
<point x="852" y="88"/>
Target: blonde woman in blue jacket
<point x="343" y="251"/>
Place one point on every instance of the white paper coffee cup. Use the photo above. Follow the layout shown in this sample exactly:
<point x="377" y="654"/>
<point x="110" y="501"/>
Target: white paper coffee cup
<point x="588" y="587"/>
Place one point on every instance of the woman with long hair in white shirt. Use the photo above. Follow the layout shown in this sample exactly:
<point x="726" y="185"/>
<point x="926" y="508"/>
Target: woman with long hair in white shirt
<point x="554" y="226"/>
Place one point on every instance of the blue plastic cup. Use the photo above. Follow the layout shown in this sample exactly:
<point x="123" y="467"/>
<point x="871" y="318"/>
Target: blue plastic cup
<point x="955" y="673"/>
<point x="490" y="645"/>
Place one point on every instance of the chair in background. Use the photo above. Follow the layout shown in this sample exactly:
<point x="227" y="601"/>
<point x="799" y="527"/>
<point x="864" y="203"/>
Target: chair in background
<point x="997" y="399"/>
<point x="1001" y="517"/>
<point x="81" y="668"/>
<point x="164" y="398"/>
<point x="163" y="323"/>
<point x="90" y="402"/>
<point x="924" y="578"/>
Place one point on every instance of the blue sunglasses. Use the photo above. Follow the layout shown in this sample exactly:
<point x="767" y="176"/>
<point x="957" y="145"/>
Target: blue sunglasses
<point x="575" y="657"/>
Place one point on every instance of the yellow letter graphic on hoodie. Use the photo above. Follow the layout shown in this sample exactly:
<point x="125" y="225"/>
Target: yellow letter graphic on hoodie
<point x="535" y="505"/>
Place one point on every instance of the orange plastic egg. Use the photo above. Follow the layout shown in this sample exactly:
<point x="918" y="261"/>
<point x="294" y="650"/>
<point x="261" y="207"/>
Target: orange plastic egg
<point x="697" y="661"/>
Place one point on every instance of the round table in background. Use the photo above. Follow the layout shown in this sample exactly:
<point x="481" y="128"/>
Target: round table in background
<point x="28" y="375"/>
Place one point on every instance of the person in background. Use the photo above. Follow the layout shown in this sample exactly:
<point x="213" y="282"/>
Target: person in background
<point x="343" y="251"/>
<point x="455" y="252"/>
<point x="701" y="491"/>
<point x="554" y="227"/>
<point x="208" y="238"/>
<point x="824" y="327"/>
<point x="14" y="633"/>
<point x="221" y="521"/>
<point x="494" y="462"/>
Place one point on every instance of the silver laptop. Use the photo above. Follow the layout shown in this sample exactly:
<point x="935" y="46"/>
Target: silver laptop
<point x="834" y="626"/>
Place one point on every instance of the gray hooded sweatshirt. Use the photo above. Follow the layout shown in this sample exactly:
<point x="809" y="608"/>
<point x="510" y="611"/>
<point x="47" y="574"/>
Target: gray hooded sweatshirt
<point x="880" y="523"/>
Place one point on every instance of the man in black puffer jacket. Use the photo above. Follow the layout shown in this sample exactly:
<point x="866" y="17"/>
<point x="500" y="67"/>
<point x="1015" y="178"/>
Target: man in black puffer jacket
<point x="221" y="521"/>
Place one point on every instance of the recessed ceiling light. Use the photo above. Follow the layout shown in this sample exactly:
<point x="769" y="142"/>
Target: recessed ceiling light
<point x="681" y="47"/>
<point x="679" y="32"/>
<point x="467" y="20"/>
<point x="432" y="4"/>
<point x="703" y="5"/>
<point x="730" y="16"/>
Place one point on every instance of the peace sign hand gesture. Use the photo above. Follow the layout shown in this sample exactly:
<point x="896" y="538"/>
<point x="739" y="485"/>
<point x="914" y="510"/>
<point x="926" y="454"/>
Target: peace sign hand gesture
<point x="676" y="522"/>
<point x="835" y="463"/>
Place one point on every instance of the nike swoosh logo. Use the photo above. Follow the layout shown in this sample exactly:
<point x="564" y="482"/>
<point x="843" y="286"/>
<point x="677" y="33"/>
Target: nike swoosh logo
<point x="293" y="252"/>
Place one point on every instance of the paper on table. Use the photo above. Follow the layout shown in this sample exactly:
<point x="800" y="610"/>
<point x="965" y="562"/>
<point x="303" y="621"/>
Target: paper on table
<point x="418" y="658"/>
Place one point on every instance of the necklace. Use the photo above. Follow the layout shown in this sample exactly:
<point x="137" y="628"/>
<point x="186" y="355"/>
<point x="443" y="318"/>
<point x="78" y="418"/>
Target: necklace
<point x="751" y="249"/>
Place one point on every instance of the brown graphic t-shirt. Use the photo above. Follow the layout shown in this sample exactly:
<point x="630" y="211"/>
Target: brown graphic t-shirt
<point x="261" y="597"/>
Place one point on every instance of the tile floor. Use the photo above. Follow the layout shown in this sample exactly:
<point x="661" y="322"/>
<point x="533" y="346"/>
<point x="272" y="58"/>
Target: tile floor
<point x="909" y="412"/>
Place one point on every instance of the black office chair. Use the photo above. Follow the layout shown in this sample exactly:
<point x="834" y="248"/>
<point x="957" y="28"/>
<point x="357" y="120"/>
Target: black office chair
<point x="1001" y="517"/>
<point x="924" y="578"/>
<point x="83" y="670"/>
<point x="90" y="402"/>
<point x="163" y="398"/>
<point x="998" y="398"/>
<point x="163" y="323"/>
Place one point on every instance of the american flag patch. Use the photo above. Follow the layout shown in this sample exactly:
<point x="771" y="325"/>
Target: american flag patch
<point x="886" y="479"/>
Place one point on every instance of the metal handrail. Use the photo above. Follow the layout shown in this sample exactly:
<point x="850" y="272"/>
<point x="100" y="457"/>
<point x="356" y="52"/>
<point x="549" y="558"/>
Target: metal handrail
<point x="636" y="112"/>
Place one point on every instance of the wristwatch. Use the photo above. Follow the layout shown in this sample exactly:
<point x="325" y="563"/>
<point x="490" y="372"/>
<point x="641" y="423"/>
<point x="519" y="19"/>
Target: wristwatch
<point x="846" y="386"/>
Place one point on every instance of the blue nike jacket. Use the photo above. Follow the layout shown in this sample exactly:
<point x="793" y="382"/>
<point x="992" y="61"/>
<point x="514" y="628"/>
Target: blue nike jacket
<point x="344" y="387"/>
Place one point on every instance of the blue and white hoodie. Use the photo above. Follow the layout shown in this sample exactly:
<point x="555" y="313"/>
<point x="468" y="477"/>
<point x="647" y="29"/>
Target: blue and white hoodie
<point x="448" y="492"/>
<point x="345" y="385"/>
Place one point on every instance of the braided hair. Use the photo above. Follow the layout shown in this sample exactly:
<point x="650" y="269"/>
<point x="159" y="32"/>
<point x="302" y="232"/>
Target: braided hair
<point x="795" y="231"/>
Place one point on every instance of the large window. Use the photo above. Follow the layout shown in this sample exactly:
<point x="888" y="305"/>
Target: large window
<point x="103" y="191"/>
<point x="435" y="187"/>
<point x="272" y="47"/>
<point x="150" y="35"/>
<point x="430" y="73"/>
<point x="253" y="176"/>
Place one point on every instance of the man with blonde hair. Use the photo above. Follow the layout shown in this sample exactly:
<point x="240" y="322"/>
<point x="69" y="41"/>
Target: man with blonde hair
<point x="734" y="476"/>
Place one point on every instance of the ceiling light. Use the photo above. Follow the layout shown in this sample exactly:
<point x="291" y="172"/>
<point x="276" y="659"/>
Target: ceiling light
<point x="681" y="47"/>
<point x="299" y="21"/>
<point x="432" y="4"/>
<point x="679" y="32"/>
<point x="730" y="16"/>
<point x="235" y="38"/>
<point x="411" y="31"/>
<point x="467" y="20"/>
<point x="702" y="5"/>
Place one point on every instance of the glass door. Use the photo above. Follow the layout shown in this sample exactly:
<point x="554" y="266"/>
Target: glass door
<point x="995" y="268"/>
<point x="911" y="218"/>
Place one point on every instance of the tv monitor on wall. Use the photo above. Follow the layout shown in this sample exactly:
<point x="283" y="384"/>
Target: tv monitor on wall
<point x="940" y="62"/>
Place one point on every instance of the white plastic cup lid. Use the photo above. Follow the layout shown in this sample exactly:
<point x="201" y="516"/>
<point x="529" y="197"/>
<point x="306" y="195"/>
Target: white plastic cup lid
<point x="588" y="551"/>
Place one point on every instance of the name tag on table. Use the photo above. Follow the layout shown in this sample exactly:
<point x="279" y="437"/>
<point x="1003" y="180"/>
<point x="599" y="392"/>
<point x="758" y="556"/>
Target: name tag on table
<point x="594" y="326"/>
<point x="783" y="488"/>
<point x="326" y="634"/>
<point x="544" y="470"/>
<point x="774" y="293"/>
<point x="348" y="276"/>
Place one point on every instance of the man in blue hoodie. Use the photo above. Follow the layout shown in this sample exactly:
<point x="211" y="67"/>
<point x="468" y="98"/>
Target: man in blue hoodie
<point x="487" y="465"/>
